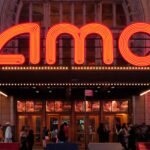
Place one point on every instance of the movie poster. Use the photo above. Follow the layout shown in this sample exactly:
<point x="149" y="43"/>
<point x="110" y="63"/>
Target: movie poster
<point x="95" y="106"/>
<point x="67" y="106"/>
<point x="58" y="106"/>
<point x="79" y="106"/>
<point x="107" y="106"/>
<point x="29" y="106"/>
<point x="50" y="106"/>
<point x="21" y="106"/>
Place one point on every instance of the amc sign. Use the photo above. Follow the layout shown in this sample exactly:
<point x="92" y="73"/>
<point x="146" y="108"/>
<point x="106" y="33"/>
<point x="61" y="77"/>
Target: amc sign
<point x="79" y="35"/>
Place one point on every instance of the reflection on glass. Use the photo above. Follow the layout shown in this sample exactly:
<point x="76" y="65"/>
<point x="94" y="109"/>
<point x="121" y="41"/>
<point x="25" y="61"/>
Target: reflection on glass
<point x="38" y="106"/>
<point x="124" y="106"/>
<point x="50" y="106"/>
<point x="30" y="106"/>
<point x="79" y="106"/>
<point x="107" y="106"/>
<point x="95" y="106"/>
<point x="20" y="106"/>
<point x="115" y="106"/>
<point x="58" y="106"/>
<point x="88" y="106"/>
<point x="80" y="130"/>
<point x="67" y="106"/>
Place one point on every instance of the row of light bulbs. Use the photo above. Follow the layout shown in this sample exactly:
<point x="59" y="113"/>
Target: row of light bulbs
<point x="74" y="84"/>
<point x="87" y="68"/>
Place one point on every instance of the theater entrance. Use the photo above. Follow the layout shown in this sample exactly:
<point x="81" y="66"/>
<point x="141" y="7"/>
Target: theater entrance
<point x="112" y="120"/>
<point x="33" y="122"/>
<point x="55" y="120"/>
<point x="85" y="129"/>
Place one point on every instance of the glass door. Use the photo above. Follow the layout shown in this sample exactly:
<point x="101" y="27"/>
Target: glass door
<point x="80" y="131"/>
<point x="93" y="123"/>
<point x="31" y="122"/>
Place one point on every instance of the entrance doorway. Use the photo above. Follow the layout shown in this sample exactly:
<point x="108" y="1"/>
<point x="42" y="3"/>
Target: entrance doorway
<point x="33" y="122"/>
<point x="111" y="121"/>
<point x="86" y="129"/>
<point x="55" y="120"/>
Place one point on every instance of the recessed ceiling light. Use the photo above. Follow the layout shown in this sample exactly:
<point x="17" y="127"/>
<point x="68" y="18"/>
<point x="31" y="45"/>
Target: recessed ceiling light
<point x="96" y="91"/>
<point x="98" y="87"/>
<point x="108" y="91"/>
<point x="37" y="91"/>
<point x="112" y="87"/>
<point x="50" y="91"/>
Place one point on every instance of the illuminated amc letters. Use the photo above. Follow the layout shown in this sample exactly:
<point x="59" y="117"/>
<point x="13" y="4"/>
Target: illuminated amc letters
<point x="79" y="36"/>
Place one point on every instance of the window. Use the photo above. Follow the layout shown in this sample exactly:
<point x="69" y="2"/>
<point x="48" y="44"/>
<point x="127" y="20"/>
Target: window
<point x="24" y="15"/>
<point x="54" y="12"/>
<point x="107" y="14"/>
<point x="37" y="13"/>
<point x="66" y="12"/>
<point x="90" y="12"/>
<point x="78" y="13"/>
<point x="120" y="15"/>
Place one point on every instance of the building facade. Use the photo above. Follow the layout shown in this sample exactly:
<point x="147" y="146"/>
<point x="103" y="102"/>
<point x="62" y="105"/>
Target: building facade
<point x="81" y="95"/>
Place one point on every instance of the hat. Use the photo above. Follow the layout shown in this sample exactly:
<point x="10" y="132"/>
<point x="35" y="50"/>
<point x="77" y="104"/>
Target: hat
<point x="7" y="123"/>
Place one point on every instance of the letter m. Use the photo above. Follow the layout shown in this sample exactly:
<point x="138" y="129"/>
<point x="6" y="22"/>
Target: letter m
<point x="79" y="36"/>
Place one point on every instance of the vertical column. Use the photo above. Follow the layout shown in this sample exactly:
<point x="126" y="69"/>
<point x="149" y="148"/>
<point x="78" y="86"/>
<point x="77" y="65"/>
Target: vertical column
<point x="147" y="108"/>
<point x="12" y="112"/>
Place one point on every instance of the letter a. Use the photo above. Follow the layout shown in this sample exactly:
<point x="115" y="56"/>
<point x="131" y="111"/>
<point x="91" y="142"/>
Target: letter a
<point x="17" y="59"/>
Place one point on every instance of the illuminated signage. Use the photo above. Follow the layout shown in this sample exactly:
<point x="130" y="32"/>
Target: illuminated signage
<point x="79" y="35"/>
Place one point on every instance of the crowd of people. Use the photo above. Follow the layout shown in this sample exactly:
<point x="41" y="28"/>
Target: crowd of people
<point x="56" y="135"/>
<point x="127" y="134"/>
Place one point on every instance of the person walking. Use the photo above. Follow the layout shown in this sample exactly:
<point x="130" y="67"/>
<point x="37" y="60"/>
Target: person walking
<point x="23" y="138"/>
<point x="61" y="134"/>
<point x="8" y="133"/>
<point x="30" y="140"/>
<point x="45" y="136"/>
<point x="101" y="133"/>
<point x="123" y="136"/>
